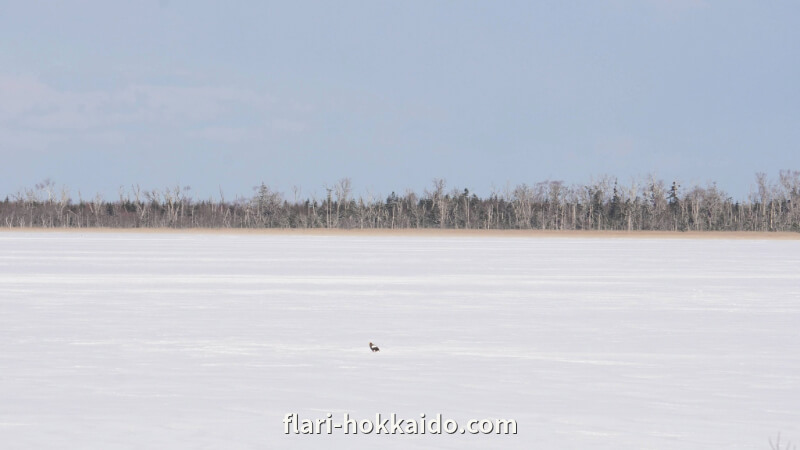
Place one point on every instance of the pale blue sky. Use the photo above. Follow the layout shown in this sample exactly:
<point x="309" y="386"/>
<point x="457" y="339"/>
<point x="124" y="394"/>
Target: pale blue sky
<point x="98" y="94"/>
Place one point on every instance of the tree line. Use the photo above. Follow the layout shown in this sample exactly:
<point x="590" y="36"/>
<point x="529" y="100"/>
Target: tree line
<point x="605" y="204"/>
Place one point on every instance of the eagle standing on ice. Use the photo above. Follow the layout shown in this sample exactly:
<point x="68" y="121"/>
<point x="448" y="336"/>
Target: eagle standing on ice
<point x="374" y="347"/>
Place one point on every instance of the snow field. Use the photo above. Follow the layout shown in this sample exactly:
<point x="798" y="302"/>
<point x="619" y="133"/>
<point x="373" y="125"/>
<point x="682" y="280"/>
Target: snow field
<point x="208" y="341"/>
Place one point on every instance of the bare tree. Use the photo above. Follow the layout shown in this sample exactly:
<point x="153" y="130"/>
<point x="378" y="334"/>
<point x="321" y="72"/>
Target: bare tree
<point x="603" y="204"/>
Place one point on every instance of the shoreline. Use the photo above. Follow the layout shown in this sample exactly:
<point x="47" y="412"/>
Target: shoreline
<point x="428" y="232"/>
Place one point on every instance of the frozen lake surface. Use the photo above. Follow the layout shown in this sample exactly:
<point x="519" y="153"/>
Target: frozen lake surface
<point x="207" y="341"/>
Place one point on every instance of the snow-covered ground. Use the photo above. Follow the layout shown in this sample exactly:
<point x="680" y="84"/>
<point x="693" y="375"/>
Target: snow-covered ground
<point x="207" y="341"/>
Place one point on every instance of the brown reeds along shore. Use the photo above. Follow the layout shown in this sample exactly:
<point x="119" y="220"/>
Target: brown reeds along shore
<point x="427" y="232"/>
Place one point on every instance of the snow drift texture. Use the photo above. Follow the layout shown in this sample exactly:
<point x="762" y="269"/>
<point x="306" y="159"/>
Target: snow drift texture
<point x="207" y="341"/>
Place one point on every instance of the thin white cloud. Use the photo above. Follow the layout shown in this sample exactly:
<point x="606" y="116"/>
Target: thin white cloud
<point x="289" y="126"/>
<point x="37" y="115"/>
<point x="665" y="7"/>
<point x="32" y="104"/>
<point x="681" y="4"/>
<point x="227" y="134"/>
<point x="678" y="7"/>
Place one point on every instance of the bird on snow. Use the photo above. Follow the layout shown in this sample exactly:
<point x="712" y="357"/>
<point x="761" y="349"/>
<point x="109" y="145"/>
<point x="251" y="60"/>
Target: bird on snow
<point x="374" y="347"/>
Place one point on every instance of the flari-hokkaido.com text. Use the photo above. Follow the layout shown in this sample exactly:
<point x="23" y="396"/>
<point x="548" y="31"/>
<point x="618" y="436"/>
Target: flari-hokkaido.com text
<point x="391" y="424"/>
